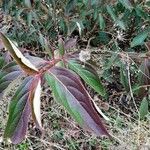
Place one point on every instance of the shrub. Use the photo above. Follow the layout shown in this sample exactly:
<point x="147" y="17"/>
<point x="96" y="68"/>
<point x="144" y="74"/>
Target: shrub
<point x="61" y="73"/>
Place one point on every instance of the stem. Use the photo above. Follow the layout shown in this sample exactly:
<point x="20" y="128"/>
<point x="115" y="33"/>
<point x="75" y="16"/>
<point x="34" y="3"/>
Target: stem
<point x="49" y="65"/>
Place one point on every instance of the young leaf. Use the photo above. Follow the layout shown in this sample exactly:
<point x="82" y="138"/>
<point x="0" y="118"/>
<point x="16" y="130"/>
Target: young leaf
<point x="19" y="112"/>
<point x="24" y="63"/>
<point x="143" y="108"/>
<point x="69" y="91"/>
<point x="89" y="75"/>
<point x="139" y="39"/>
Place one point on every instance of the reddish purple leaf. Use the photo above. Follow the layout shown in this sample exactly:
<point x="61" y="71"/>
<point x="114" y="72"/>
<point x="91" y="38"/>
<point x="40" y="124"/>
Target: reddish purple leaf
<point x="70" y="43"/>
<point x="8" y="73"/>
<point x="20" y="110"/>
<point x="70" y="92"/>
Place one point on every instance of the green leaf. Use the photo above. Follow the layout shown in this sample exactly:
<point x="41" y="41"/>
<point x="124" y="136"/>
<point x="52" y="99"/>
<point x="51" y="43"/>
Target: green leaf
<point x="124" y="77"/>
<point x="2" y="62"/>
<point x="121" y="24"/>
<point x="27" y="3"/>
<point x="101" y="22"/>
<point x="89" y="75"/>
<point x="69" y="91"/>
<point x="29" y="18"/>
<point x="70" y="6"/>
<point x="111" y="12"/>
<point x="148" y="3"/>
<point x="139" y="39"/>
<point x="61" y="44"/>
<point x="143" y="108"/>
<point x="117" y="21"/>
<point x="126" y="4"/>
<point x="45" y="45"/>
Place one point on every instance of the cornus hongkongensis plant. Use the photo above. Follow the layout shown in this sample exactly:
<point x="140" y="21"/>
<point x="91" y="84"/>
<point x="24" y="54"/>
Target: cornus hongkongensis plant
<point x="63" y="73"/>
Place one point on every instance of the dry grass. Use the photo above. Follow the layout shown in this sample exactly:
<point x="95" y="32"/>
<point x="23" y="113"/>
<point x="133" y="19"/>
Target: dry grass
<point x="62" y="133"/>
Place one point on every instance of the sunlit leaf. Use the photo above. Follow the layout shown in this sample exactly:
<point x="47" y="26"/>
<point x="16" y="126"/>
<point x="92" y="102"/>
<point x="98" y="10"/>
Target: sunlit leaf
<point x="24" y="63"/>
<point x="69" y="91"/>
<point x="35" y="101"/>
<point x="89" y="75"/>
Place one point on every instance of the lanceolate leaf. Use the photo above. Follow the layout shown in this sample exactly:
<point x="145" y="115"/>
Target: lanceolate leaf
<point x="124" y="77"/>
<point x="126" y="4"/>
<point x="111" y="12"/>
<point x="19" y="109"/>
<point x="89" y="75"/>
<point x="69" y="91"/>
<point x="2" y="62"/>
<point x="143" y="108"/>
<point x="101" y="22"/>
<point x="139" y="39"/>
<point x="8" y="73"/>
<point x="24" y="63"/>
